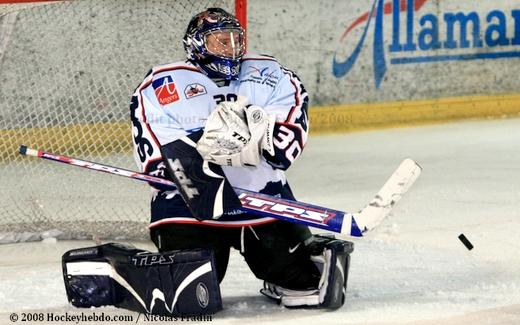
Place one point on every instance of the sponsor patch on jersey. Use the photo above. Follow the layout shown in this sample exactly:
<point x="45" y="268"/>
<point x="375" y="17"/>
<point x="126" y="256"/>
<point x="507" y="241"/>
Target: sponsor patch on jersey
<point x="194" y="90"/>
<point x="165" y="90"/>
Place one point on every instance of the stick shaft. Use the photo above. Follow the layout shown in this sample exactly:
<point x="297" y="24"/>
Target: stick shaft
<point x="255" y="203"/>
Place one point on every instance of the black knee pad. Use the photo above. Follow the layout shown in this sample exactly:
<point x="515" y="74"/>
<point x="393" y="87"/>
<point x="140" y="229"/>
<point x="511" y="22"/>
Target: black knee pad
<point x="174" y="283"/>
<point x="332" y="257"/>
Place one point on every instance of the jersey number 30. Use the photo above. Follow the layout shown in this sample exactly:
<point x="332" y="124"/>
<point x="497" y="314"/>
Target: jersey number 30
<point x="286" y="140"/>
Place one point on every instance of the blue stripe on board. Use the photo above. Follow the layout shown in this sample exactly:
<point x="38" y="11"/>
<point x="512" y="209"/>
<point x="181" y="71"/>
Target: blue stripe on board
<point x="458" y="57"/>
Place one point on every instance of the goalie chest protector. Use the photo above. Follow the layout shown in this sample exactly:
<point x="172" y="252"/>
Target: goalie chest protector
<point x="176" y="283"/>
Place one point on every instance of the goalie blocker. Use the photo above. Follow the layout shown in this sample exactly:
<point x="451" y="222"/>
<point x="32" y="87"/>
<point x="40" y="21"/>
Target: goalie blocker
<point x="175" y="283"/>
<point x="203" y="185"/>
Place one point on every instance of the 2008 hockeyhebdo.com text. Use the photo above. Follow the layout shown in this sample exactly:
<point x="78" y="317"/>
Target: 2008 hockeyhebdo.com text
<point x="82" y="317"/>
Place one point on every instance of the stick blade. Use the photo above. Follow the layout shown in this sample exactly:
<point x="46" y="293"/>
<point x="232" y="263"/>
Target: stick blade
<point x="398" y="184"/>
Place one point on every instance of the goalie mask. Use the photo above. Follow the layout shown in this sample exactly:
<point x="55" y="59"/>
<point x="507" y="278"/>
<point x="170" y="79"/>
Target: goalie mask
<point x="214" y="41"/>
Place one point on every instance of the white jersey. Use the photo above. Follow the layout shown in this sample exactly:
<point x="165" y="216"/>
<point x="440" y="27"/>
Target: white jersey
<point x="176" y="99"/>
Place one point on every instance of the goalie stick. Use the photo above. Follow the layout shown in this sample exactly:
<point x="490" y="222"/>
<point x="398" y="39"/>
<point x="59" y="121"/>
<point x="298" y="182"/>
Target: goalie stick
<point x="352" y="224"/>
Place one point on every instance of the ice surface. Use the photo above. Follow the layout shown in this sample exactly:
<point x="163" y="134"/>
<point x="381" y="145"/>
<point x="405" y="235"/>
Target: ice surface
<point x="412" y="269"/>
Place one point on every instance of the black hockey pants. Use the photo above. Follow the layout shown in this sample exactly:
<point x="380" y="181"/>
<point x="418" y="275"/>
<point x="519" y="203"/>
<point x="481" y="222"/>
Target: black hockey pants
<point x="275" y="252"/>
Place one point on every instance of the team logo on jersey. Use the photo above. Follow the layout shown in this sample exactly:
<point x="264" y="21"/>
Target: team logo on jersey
<point x="261" y="76"/>
<point x="165" y="90"/>
<point x="194" y="90"/>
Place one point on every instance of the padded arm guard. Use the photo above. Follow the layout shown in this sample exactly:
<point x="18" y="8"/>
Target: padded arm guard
<point x="171" y="283"/>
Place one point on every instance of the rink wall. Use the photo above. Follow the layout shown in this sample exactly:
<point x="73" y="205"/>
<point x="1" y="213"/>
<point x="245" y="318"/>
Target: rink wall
<point x="408" y="62"/>
<point x="366" y="64"/>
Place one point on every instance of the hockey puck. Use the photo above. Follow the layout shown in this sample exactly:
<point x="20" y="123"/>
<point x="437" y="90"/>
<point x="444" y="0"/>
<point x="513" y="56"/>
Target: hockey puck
<point x="466" y="242"/>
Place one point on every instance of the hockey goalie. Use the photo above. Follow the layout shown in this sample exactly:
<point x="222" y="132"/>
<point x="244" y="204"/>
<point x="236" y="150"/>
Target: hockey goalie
<point x="218" y="120"/>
